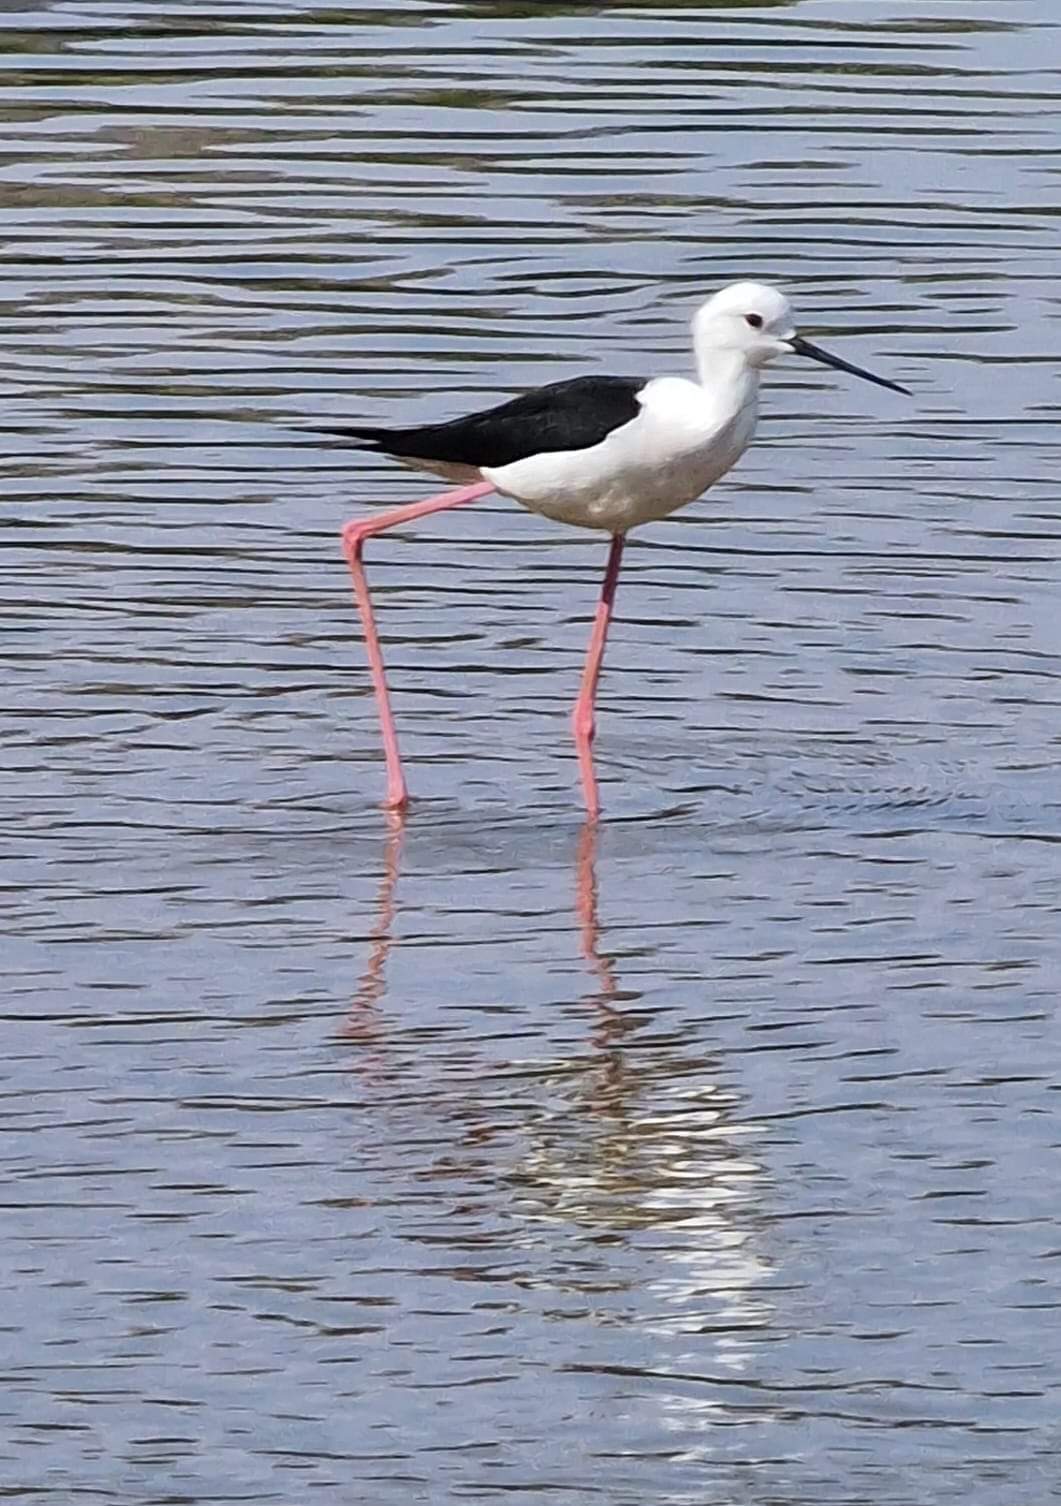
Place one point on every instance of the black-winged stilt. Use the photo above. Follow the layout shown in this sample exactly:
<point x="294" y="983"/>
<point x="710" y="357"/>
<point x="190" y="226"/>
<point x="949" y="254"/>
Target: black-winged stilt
<point x="597" y="452"/>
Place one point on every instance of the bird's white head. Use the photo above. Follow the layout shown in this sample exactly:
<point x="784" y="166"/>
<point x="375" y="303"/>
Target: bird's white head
<point x="753" y="323"/>
<point x="746" y="319"/>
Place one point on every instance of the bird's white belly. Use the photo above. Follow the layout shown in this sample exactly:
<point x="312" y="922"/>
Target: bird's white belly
<point x="642" y="472"/>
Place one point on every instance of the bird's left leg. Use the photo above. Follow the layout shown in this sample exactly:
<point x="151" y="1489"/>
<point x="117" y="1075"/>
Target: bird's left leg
<point x="583" y="721"/>
<point x="354" y="536"/>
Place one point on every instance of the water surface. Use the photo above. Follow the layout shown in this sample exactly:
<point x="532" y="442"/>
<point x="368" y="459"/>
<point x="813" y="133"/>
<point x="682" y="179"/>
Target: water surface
<point x="710" y="1157"/>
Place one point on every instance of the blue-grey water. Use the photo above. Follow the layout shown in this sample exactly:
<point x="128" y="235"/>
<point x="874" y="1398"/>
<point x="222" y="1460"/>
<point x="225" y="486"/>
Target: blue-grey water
<point x="710" y="1158"/>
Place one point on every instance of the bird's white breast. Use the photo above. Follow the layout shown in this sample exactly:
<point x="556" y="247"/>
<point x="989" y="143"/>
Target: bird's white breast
<point x="680" y="443"/>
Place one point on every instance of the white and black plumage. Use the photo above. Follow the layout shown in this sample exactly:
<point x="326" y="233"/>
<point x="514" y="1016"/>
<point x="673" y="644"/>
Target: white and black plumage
<point x="614" y="452"/>
<point x="570" y="415"/>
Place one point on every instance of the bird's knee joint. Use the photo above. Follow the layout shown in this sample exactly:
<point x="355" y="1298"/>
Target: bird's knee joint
<point x="583" y="726"/>
<point x="354" y="536"/>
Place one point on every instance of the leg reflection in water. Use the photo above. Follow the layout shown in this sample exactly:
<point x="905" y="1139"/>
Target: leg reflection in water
<point x="611" y="1023"/>
<point x="362" y="1023"/>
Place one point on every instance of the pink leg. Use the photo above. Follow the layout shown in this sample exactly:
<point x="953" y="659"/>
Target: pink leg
<point x="354" y="536"/>
<point x="583" y="721"/>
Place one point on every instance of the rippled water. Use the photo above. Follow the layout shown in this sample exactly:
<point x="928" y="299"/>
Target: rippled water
<point x="708" y="1158"/>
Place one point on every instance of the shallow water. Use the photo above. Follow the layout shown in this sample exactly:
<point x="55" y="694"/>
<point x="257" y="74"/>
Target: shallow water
<point x="708" y="1158"/>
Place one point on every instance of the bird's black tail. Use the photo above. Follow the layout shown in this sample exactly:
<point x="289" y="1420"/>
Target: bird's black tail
<point x="364" y="437"/>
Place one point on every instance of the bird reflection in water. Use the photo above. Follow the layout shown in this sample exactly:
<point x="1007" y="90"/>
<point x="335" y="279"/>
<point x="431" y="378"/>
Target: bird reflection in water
<point x="634" y="1143"/>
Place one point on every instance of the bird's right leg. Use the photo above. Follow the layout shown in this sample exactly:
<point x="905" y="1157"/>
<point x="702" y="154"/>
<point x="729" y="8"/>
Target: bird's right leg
<point x="583" y="722"/>
<point x="354" y="536"/>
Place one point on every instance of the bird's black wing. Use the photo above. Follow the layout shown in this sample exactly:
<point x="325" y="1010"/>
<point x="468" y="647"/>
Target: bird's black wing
<point x="571" y="415"/>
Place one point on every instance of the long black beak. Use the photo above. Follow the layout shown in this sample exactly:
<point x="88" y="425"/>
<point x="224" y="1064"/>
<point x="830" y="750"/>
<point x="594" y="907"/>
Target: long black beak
<point x="815" y="353"/>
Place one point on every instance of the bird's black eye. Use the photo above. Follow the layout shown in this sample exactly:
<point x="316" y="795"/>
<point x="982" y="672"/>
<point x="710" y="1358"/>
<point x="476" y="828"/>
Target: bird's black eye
<point x="755" y="320"/>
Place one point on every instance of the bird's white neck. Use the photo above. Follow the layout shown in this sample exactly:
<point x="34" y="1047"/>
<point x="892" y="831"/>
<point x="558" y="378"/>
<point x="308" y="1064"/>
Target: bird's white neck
<point x="727" y="377"/>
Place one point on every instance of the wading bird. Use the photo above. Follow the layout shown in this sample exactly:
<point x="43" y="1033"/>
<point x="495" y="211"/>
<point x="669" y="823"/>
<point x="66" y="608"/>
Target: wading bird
<point x="598" y="452"/>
